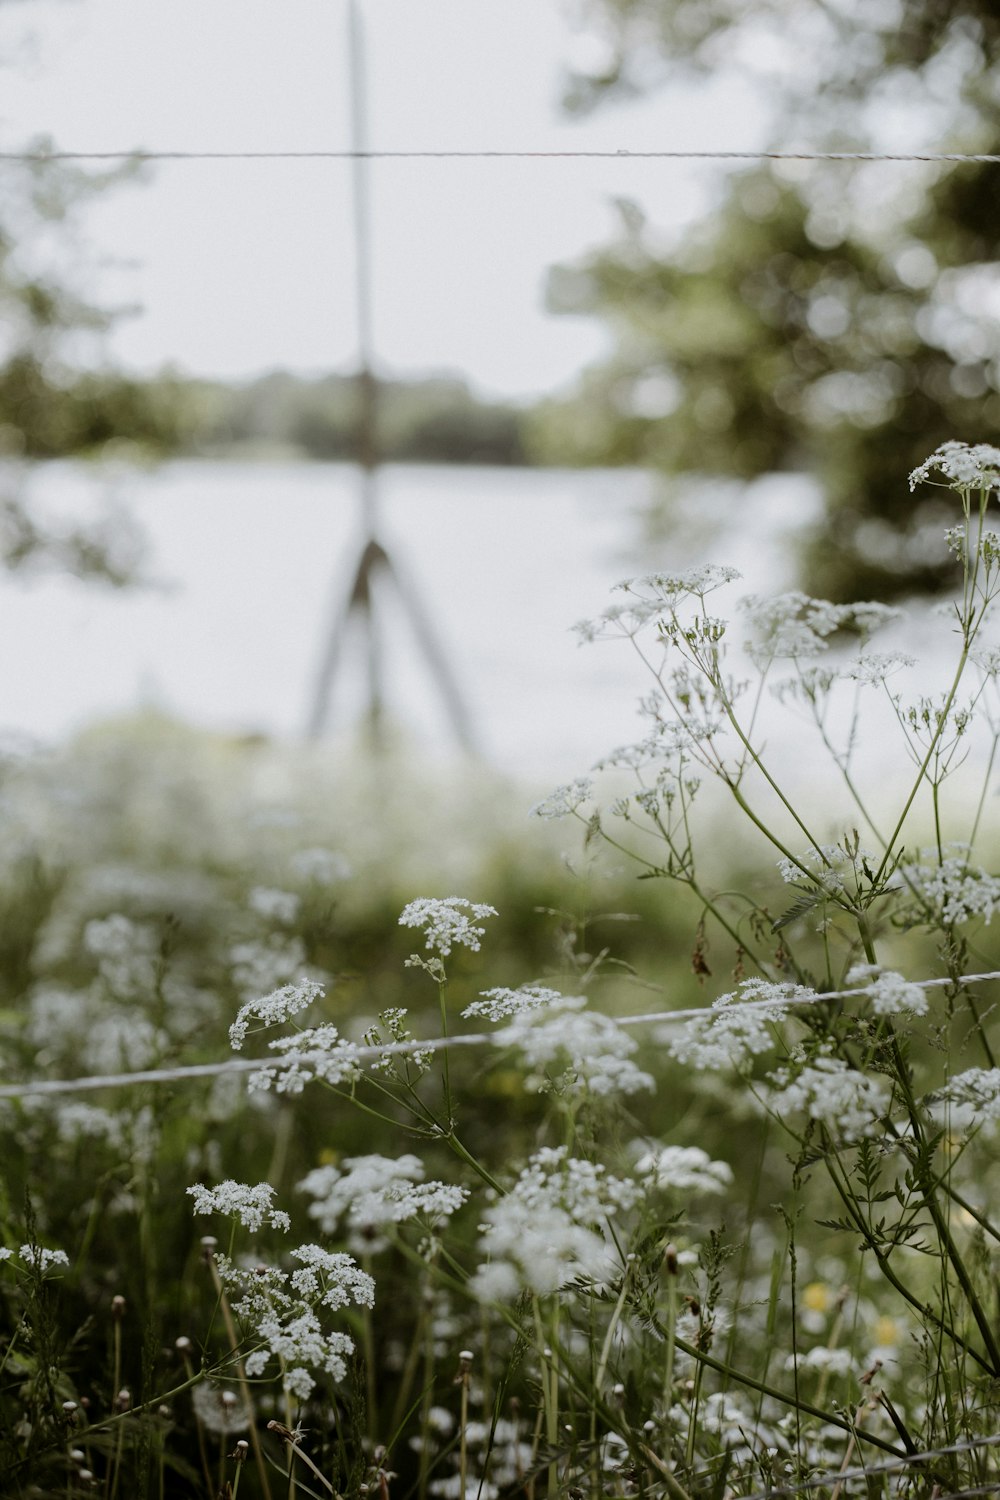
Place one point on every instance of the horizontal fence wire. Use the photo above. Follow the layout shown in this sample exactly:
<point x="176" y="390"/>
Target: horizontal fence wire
<point x="890" y="1466"/>
<point x="140" y="154"/>
<point x="501" y="1038"/>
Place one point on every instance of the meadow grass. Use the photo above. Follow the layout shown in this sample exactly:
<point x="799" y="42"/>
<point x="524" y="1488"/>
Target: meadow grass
<point x="576" y="1184"/>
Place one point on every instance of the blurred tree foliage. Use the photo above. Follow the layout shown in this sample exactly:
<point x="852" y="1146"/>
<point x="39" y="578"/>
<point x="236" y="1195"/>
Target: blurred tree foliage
<point x="55" y="399"/>
<point x="837" y="319"/>
<point x="436" y="419"/>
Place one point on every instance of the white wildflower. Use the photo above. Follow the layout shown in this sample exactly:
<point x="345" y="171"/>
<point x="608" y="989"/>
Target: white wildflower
<point x="670" y="588"/>
<point x="685" y="1169"/>
<point x="259" y="968"/>
<point x="876" y="666"/>
<point x="321" y="866"/>
<point x="987" y="659"/>
<point x="892" y="995"/>
<point x="592" y="1052"/>
<point x="790" y="625"/>
<point x="319" y="1054"/>
<point x="499" y="1003"/>
<point x="549" y="1230"/>
<point x="955" y="890"/>
<point x="284" y="1311"/>
<point x="963" y="467"/>
<point x="250" y="1205"/>
<point x="374" y="1192"/>
<point x="447" y="921"/>
<point x="968" y="1099"/>
<point x="274" y="1008"/>
<point x="735" y="1028"/>
<point x="42" y="1260"/>
<point x="274" y="905"/>
<point x="828" y="1361"/>
<point x="828" y="1090"/>
<point x="565" y="799"/>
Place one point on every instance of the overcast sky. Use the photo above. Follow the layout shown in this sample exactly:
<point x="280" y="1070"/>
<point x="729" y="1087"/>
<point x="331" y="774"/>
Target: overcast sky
<point x="242" y="266"/>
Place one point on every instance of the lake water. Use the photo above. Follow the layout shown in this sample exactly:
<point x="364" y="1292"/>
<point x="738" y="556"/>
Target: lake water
<point x="249" y="559"/>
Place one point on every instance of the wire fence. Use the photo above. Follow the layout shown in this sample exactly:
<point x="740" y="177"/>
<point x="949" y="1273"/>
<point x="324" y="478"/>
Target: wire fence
<point x="372" y="1052"/>
<point x="864" y="1472"/>
<point x="140" y="154"/>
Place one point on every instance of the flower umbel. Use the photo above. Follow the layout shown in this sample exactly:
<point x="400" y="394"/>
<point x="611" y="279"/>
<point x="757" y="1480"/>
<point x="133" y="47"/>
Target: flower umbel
<point x="447" y="921"/>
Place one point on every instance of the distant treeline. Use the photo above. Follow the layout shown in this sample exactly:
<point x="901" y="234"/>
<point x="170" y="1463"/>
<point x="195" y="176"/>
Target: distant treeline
<point x="45" y="414"/>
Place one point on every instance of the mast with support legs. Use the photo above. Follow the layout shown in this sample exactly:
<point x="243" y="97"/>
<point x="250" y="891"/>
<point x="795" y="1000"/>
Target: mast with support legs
<point x="374" y="565"/>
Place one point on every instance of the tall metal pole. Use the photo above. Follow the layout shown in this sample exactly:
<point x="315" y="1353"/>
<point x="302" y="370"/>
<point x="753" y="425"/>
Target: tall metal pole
<point x="360" y="598"/>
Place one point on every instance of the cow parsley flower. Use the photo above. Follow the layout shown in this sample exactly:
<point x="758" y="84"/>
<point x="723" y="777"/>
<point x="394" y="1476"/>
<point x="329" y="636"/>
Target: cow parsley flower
<point x="670" y="588"/>
<point x="549" y="1230"/>
<point x="876" y="666"/>
<point x="447" y="921"/>
<point x="892" y="995"/>
<point x="591" y="1051"/>
<point x="955" y="890"/>
<point x="374" y="1192"/>
<point x="250" y="1205"/>
<point x="736" y="1027"/>
<point x="849" y="1103"/>
<point x="42" y="1260"/>
<point x="499" y="1003"/>
<point x="968" y="1099"/>
<point x="685" y="1169"/>
<point x="286" y="1313"/>
<point x="565" y="799"/>
<point x="274" y="905"/>
<point x="272" y="1009"/>
<point x="319" y="1054"/>
<point x="962" y="466"/>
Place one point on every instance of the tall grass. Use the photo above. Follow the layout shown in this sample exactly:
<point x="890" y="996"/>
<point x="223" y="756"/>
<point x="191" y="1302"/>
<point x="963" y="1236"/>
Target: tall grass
<point x="516" y="1202"/>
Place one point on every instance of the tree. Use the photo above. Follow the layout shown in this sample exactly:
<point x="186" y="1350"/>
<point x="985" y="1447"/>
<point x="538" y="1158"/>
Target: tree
<point x="834" y="318"/>
<point x="52" y="405"/>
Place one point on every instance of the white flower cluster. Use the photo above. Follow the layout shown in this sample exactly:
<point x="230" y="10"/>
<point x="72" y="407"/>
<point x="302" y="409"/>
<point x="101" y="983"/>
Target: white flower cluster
<point x="319" y="1054"/>
<point x="826" y="860"/>
<point x="37" y="1257"/>
<point x="828" y="1361"/>
<point x="874" y="667"/>
<point x="237" y="1200"/>
<point x="892" y="995"/>
<point x="828" y="1090"/>
<point x="962" y="466"/>
<point x="548" y="1230"/>
<point x="284" y="1308"/>
<point x="670" y="588"/>
<point x="970" y="1098"/>
<point x="274" y="905"/>
<point x="447" y="921"/>
<point x="591" y="1051"/>
<point x="320" y="866"/>
<point x="736" y="1028"/>
<point x="684" y="1169"/>
<point x="258" y="968"/>
<point x="565" y="799"/>
<point x="794" y="625"/>
<point x="499" y="1003"/>
<point x="272" y="1009"/>
<point x="955" y="890"/>
<point x="375" y="1192"/>
<point x="499" y="1446"/>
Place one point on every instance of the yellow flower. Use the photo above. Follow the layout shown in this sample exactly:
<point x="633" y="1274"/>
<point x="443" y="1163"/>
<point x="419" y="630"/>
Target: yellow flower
<point x="886" y="1331"/>
<point x="816" y="1297"/>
